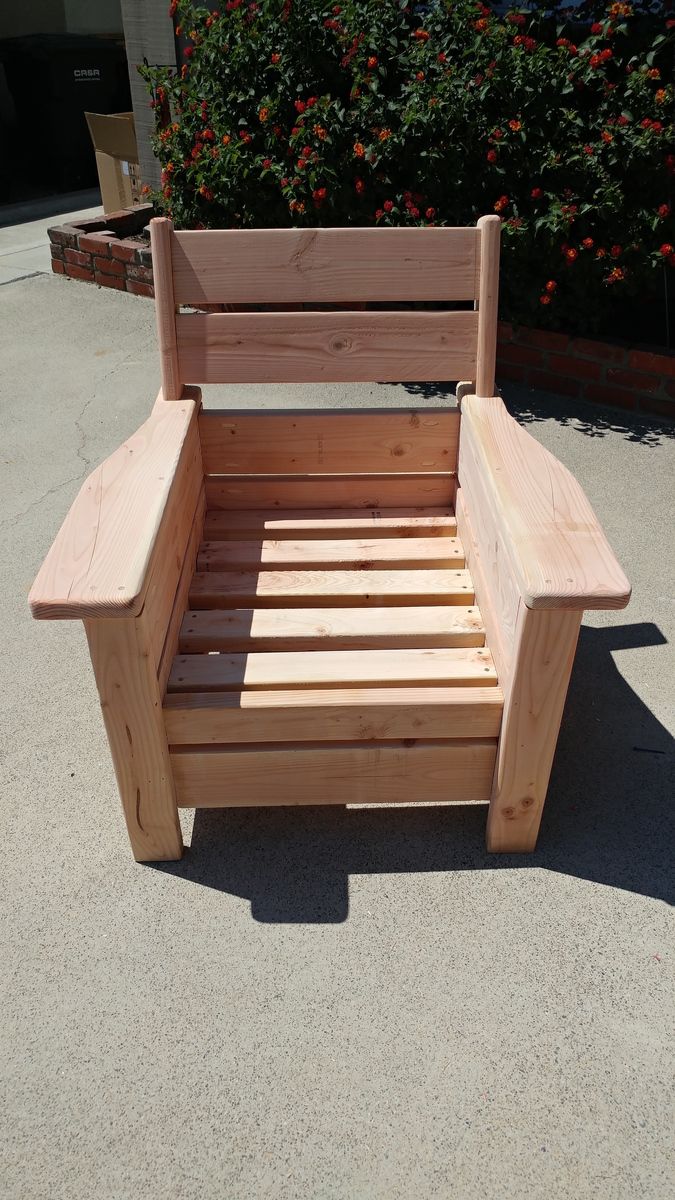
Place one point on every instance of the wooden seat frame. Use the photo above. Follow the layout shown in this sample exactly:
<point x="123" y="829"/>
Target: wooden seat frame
<point x="277" y="608"/>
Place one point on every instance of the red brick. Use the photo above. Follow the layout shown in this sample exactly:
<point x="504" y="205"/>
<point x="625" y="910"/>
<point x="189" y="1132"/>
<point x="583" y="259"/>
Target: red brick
<point x="142" y="274"/>
<point x="662" y="408"/>
<point x="57" y="251"/>
<point x="544" y="338"/>
<point x="554" y="383"/>
<point x="76" y="272"/>
<point x="140" y="289"/>
<point x="633" y="379"/>
<point x="145" y="256"/>
<point x="575" y="368"/>
<point x="62" y="235"/>
<point x="656" y="364"/>
<point x="520" y="354"/>
<point x="109" y="267"/>
<point x="77" y="257"/>
<point x="58" y="266"/>
<point x="600" y="351"/>
<point x="124" y="250"/>
<point x="516" y="374"/>
<point x="97" y="243"/>
<point x="602" y="394"/>
<point x="109" y="281"/>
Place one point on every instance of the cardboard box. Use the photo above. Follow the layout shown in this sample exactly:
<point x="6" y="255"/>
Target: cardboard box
<point x="114" y="138"/>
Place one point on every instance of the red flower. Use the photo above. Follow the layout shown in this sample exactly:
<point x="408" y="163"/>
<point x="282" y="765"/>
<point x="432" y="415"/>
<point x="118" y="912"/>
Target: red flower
<point x="587" y="243"/>
<point x="189" y="51"/>
<point x="319" y="195"/>
<point x="596" y="27"/>
<point x="491" y="156"/>
<point x="607" y="136"/>
<point x="359" y="186"/>
<point x="420" y="76"/>
<point x="430" y="214"/>
<point x="515" y="18"/>
<point x="414" y="212"/>
<point x="544" y="299"/>
<point x="571" y="254"/>
<point x="421" y="35"/>
<point x="442" y="58"/>
<point x="481" y="25"/>
<point x="208" y="135"/>
<point x="300" y="106"/>
<point x="551" y="286"/>
<point x="536" y="193"/>
<point x="622" y="120"/>
<point x="206" y="192"/>
<point x="388" y="205"/>
<point x="666" y="250"/>
<point x="615" y="251"/>
<point x="515" y="126"/>
<point x="589" y="150"/>
<point x="372" y="61"/>
<point x="267" y="163"/>
<point x="663" y="210"/>
<point x="601" y="252"/>
<point x="275" y="58"/>
<point x="306" y="152"/>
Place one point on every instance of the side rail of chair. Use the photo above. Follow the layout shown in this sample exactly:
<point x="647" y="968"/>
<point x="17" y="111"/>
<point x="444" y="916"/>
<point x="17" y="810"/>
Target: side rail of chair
<point x="538" y="558"/>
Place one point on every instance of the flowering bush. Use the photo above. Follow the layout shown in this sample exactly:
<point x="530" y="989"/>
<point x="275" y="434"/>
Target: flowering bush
<point x="303" y="112"/>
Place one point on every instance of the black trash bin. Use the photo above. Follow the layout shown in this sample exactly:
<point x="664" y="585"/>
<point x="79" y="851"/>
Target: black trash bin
<point x="53" y="79"/>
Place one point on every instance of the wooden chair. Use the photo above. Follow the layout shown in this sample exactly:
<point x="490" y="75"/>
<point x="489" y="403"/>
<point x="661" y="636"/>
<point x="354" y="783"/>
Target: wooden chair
<point x="325" y="607"/>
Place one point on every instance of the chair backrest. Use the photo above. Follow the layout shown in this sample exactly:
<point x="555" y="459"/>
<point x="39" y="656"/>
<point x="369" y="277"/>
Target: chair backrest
<point x="326" y="267"/>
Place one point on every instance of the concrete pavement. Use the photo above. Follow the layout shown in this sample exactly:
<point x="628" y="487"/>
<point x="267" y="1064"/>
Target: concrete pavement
<point x="326" y="1003"/>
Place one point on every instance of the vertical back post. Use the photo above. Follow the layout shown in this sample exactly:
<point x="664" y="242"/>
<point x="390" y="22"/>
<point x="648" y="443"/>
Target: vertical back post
<point x="161" y="229"/>
<point x="488" y="297"/>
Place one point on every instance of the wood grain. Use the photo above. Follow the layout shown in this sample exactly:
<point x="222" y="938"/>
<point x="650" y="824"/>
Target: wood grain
<point x="126" y="679"/>
<point x="329" y="522"/>
<point x="307" y="589"/>
<point x="489" y="229"/>
<point x="330" y="628"/>
<point x="493" y="579"/>
<point x="331" y="668"/>
<point x="316" y="347"/>
<point x="335" y="715"/>
<point x="459" y="771"/>
<point x="350" y="492"/>
<point x="342" y="554"/>
<point x="180" y="600"/>
<point x="558" y="552"/>
<point x="534" y="698"/>
<point x="309" y="442"/>
<point x="161" y="233"/>
<point x="99" y="562"/>
<point x="257" y="266"/>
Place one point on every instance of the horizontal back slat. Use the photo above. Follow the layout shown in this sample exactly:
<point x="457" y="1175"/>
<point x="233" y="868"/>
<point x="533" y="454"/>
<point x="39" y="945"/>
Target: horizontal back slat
<point x="259" y="266"/>
<point x="398" y="440"/>
<point x="315" y="347"/>
<point x="352" y="492"/>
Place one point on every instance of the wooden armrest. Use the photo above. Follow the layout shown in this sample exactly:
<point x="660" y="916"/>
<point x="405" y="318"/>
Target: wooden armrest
<point x="98" y="565"/>
<point x="557" y="549"/>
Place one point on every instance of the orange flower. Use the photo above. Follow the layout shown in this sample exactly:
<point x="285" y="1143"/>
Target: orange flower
<point x="571" y="255"/>
<point x="384" y="134"/>
<point x="653" y="73"/>
<point x="320" y="132"/>
<point x="420" y="76"/>
<point x="501" y="203"/>
<point x="421" y="35"/>
<point x="587" y="243"/>
<point x="481" y="25"/>
<point x="372" y="61"/>
<point x="544" y="299"/>
<point x="359" y="149"/>
<point x="601" y="252"/>
<point x="263" y="114"/>
<point x="607" y="136"/>
<point x="515" y="126"/>
<point x="616" y="275"/>
<point x="661" y="96"/>
<point x="226" y="139"/>
<point x="551" y="286"/>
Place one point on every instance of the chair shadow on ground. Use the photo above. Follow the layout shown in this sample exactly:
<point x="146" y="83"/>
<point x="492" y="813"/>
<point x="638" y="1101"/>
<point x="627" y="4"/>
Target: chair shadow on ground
<point x="608" y="818"/>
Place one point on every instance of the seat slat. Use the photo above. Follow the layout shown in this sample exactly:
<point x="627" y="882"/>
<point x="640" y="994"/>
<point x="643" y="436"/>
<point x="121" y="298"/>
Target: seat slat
<point x="456" y="771"/>
<point x="330" y="628"/>
<point x="330" y="522"/>
<point x="341" y="554"/>
<point x="333" y="668"/>
<point x="356" y="714"/>
<point x="303" y="589"/>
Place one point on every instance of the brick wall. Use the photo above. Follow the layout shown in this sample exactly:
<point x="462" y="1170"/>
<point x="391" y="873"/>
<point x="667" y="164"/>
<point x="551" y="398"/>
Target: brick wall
<point x="604" y="372"/>
<point x="104" y="251"/>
